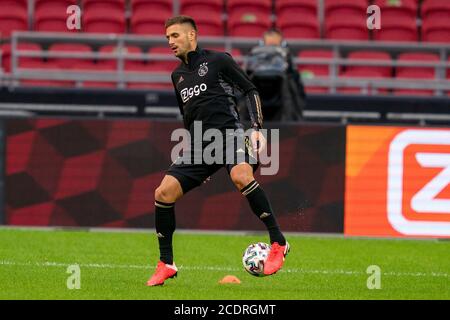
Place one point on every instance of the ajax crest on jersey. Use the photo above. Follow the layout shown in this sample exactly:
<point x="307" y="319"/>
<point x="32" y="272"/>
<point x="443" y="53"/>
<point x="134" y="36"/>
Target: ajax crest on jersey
<point x="203" y="70"/>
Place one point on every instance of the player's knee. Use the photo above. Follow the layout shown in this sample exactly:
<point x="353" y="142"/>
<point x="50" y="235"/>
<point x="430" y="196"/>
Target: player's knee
<point x="241" y="179"/>
<point x="162" y="194"/>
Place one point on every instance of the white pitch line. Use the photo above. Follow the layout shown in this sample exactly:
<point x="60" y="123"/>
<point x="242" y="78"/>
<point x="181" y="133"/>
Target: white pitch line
<point x="216" y="268"/>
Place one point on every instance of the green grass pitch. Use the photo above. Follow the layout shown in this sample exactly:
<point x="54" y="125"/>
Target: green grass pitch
<point x="116" y="265"/>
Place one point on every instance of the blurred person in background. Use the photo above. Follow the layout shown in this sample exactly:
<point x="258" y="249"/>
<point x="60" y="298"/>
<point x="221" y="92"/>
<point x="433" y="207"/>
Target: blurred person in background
<point x="271" y="68"/>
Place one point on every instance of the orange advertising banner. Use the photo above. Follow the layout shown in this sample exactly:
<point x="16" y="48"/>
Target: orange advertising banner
<point x="397" y="182"/>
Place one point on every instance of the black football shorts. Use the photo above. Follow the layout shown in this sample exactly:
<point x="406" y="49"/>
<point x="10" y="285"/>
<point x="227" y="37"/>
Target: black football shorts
<point x="191" y="169"/>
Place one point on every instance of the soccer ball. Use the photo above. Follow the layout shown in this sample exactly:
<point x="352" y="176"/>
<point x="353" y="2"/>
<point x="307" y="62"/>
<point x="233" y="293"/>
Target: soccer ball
<point x="255" y="257"/>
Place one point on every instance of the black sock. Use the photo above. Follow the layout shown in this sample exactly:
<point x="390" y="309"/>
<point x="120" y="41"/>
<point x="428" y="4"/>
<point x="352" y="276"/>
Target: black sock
<point x="263" y="210"/>
<point x="165" y="227"/>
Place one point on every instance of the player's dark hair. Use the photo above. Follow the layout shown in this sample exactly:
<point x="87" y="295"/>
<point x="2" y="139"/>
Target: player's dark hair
<point x="180" y="20"/>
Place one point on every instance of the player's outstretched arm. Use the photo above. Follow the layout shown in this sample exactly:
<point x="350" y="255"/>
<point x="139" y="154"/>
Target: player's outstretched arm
<point x="239" y="78"/>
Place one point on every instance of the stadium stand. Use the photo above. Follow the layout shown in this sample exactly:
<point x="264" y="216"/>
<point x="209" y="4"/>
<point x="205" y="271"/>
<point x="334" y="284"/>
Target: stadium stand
<point x="7" y="62"/>
<point x="293" y="28"/>
<point x="205" y="7"/>
<point x="346" y="9"/>
<point x="333" y="48"/>
<point x="237" y="7"/>
<point x="164" y="7"/>
<point x="103" y="5"/>
<point x="435" y="10"/>
<point x="70" y="63"/>
<point x="143" y="24"/>
<point x="400" y="9"/>
<point x="351" y="28"/>
<point x="107" y="19"/>
<point x="300" y="7"/>
<point x="397" y="29"/>
<point x="435" y="31"/>
<point x="14" y="17"/>
<point x="287" y="13"/>
<point x="210" y="24"/>
<point x="366" y="71"/>
<point x="414" y="72"/>
<point x="311" y="70"/>
<point x="248" y="24"/>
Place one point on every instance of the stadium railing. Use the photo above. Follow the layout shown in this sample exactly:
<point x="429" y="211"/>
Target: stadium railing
<point x="440" y="85"/>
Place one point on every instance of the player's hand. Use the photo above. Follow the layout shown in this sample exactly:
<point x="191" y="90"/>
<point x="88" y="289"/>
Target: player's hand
<point x="258" y="141"/>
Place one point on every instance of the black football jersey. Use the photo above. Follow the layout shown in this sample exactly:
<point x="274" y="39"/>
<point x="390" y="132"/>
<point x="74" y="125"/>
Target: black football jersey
<point x="205" y="90"/>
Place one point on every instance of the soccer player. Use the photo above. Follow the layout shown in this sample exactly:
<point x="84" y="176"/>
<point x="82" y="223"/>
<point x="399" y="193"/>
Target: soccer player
<point x="204" y="83"/>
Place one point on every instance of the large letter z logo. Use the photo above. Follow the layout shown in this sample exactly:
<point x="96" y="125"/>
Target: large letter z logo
<point x="424" y="201"/>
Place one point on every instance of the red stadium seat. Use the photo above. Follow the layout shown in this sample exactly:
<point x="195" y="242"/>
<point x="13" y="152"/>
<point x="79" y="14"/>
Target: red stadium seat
<point x="155" y="66"/>
<point x="99" y="68"/>
<point x="350" y="28"/>
<point x="155" y="7"/>
<point x="43" y="5"/>
<point x="6" y="58"/>
<point x="112" y="62"/>
<point x="362" y="74"/>
<point x="436" y="30"/>
<point x="13" y="16"/>
<point x="448" y="69"/>
<point x="42" y="65"/>
<point x="343" y="9"/>
<point x="448" y="75"/>
<point x="288" y="13"/>
<point x="142" y="23"/>
<point x="315" y="69"/>
<point x="294" y="28"/>
<point x="51" y="19"/>
<point x="107" y="21"/>
<point x="413" y="72"/>
<point x="297" y="7"/>
<point x="103" y="5"/>
<point x="397" y="29"/>
<point x="71" y="63"/>
<point x="37" y="63"/>
<point x="2" y="58"/>
<point x="248" y="24"/>
<point x="309" y="71"/>
<point x="435" y="10"/>
<point x="366" y="71"/>
<point x="402" y="9"/>
<point x="384" y="71"/>
<point x="209" y="24"/>
<point x="240" y="7"/>
<point x="112" y="65"/>
<point x="417" y="56"/>
<point x="191" y="7"/>
<point x="14" y="4"/>
<point x="163" y="65"/>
